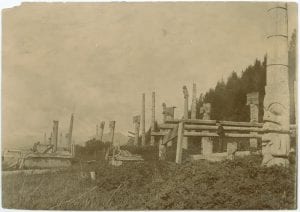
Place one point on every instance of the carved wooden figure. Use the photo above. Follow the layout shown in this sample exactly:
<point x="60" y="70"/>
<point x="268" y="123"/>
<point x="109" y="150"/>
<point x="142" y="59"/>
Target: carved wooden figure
<point x="136" y="122"/>
<point x="276" y="146"/>
<point x="253" y="102"/>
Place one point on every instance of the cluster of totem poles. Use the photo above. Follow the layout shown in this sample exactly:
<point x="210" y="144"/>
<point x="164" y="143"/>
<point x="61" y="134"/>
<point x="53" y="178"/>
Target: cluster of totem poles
<point x="54" y="144"/>
<point x="275" y="131"/>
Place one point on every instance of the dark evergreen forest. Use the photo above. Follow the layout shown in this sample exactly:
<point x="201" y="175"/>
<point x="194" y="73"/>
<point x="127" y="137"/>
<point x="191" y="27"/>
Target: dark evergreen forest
<point x="228" y="98"/>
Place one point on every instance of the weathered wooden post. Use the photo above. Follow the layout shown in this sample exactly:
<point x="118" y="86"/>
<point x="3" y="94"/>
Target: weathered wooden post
<point x="185" y="113"/>
<point x="102" y="124"/>
<point x="136" y="122"/>
<point x="143" y="122"/>
<point x="162" y="150"/>
<point x="45" y="139"/>
<point x="112" y="132"/>
<point x="180" y="137"/>
<point x="295" y="99"/>
<point x="97" y="132"/>
<point x="71" y="146"/>
<point x="50" y="139"/>
<point x="253" y="101"/>
<point x="194" y="103"/>
<point x="168" y="114"/>
<point x="153" y="119"/>
<point x="55" y="135"/>
<point x="276" y="146"/>
<point x="207" y="143"/>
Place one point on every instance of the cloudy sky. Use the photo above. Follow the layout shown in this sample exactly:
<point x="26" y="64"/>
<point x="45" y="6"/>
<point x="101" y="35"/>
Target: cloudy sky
<point x="96" y="60"/>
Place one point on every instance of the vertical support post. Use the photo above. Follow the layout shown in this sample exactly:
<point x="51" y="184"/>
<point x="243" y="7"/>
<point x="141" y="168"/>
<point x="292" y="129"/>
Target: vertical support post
<point x="162" y="150"/>
<point x="185" y="113"/>
<point x="136" y="122"/>
<point x="143" y="122"/>
<point x="276" y="147"/>
<point x="112" y="132"/>
<point x="253" y="101"/>
<point x="180" y="138"/>
<point x="153" y="119"/>
<point x="45" y="139"/>
<point x="164" y="112"/>
<point x="50" y="139"/>
<point x="102" y="124"/>
<point x="168" y="114"/>
<point x="295" y="99"/>
<point x="194" y="102"/>
<point x="207" y="143"/>
<point x="70" y="141"/>
<point x="55" y="135"/>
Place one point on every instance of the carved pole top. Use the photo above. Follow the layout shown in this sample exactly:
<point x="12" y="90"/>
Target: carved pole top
<point x="112" y="124"/>
<point x="253" y="98"/>
<point x="136" y="119"/>
<point x="185" y="92"/>
<point x="102" y="124"/>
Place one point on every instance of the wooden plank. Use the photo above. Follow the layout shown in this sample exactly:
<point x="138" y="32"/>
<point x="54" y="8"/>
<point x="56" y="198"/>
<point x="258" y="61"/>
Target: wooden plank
<point x="226" y="128"/>
<point x="213" y="122"/>
<point x="230" y="135"/>
<point x="179" y="143"/>
<point x="158" y="133"/>
<point x="166" y="126"/>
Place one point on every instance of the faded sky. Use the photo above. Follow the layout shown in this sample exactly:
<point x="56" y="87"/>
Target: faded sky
<point x="96" y="59"/>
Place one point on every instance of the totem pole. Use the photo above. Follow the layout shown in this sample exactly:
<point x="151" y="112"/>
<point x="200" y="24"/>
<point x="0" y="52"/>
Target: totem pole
<point x="153" y="119"/>
<point x="55" y="135"/>
<point x="275" y="145"/>
<point x="185" y="113"/>
<point x="102" y="124"/>
<point x="143" y="122"/>
<point x="136" y="122"/>
<point x="253" y="101"/>
<point x="194" y="103"/>
<point x="71" y="144"/>
<point x="112" y="132"/>
<point x="207" y="143"/>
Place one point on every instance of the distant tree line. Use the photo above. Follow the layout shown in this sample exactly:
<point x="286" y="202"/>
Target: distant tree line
<point x="228" y="99"/>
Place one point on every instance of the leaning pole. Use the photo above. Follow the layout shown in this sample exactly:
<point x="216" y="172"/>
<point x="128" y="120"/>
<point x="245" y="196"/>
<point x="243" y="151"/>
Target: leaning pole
<point x="276" y="146"/>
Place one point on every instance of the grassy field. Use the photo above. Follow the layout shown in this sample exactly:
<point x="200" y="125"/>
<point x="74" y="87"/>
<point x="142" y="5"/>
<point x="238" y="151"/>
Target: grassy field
<point x="239" y="184"/>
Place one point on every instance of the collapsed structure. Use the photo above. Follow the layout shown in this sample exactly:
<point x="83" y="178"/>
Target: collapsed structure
<point x="44" y="155"/>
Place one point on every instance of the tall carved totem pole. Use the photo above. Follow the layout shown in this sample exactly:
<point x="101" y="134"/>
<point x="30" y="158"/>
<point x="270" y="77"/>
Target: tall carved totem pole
<point x="276" y="146"/>
<point x="185" y="113"/>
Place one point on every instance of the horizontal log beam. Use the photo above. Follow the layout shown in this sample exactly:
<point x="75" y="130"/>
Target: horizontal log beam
<point x="229" y="135"/>
<point x="166" y="126"/>
<point x="213" y="122"/>
<point x="226" y="128"/>
<point x="159" y="133"/>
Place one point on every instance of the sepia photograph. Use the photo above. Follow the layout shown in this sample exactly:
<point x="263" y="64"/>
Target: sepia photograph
<point x="149" y="105"/>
